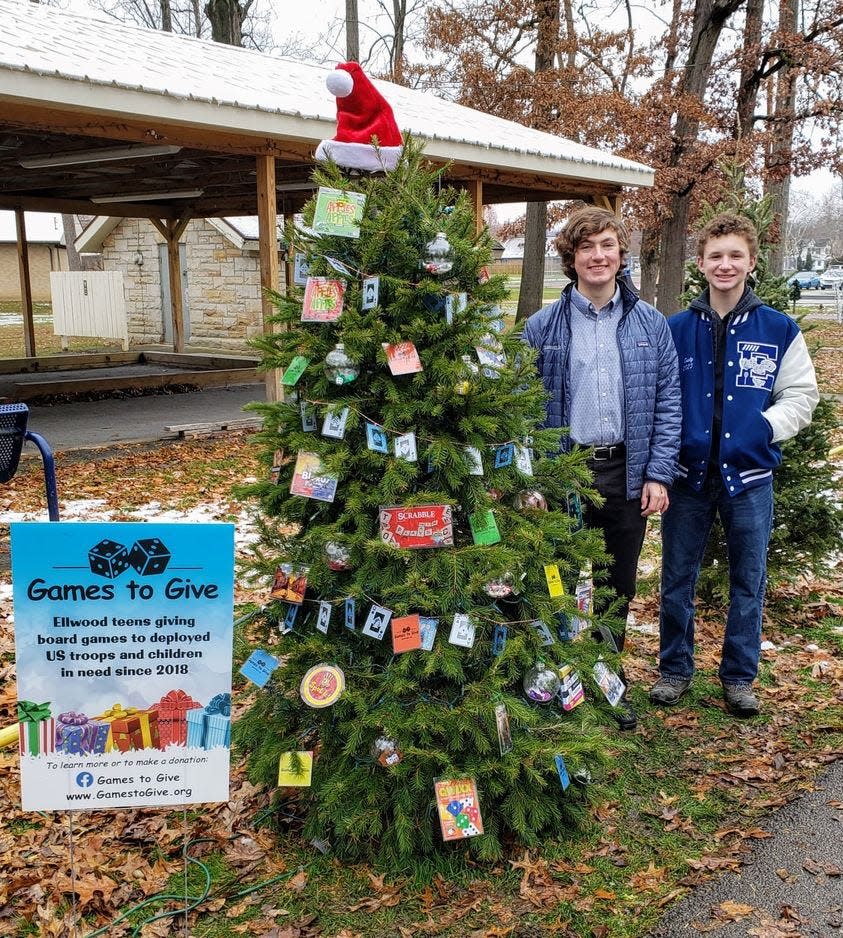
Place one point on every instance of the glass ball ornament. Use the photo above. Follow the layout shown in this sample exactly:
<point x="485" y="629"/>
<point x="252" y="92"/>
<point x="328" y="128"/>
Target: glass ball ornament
<point x="495" y="494"/>
<point x="339" y="367"/>
<point x="500" y="586"/>
<point x="530" y="500"/>
<point x="437" y="260"/>
<point x="383" y="744"/>
<point x="582" y="777"/>
<point x="385" y="751"/>
<point x="541" y="683"/>
<point x="339" y="556"/>
<point x="470" y="369"/>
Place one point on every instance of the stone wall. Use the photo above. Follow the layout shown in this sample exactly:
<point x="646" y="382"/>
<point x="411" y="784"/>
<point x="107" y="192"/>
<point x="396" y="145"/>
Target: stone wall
<point x="223" y="284"/>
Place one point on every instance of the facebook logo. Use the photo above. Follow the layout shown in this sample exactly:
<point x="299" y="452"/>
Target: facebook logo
<point x="84" y="779"/>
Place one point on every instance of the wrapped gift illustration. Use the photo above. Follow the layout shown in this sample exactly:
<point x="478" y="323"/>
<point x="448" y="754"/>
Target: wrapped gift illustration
<point x="210" y="727"/>
<point x="76" y="734"/>
<point x="172" y="717"/>
<point x="149" y="729"/>
<point x="195" y="728"/>
<point x="126" y="733"/>
<point x="218" y="722"/>
<point x="148" y="723"/>
<point x="36" y="731"/>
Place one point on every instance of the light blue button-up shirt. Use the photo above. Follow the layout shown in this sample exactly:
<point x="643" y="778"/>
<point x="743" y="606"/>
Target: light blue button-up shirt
<point x="595" y="375"/>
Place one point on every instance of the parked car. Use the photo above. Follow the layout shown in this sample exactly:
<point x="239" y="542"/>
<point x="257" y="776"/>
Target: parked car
<point x="807" y="280"/>
<point x="831" y="277"/>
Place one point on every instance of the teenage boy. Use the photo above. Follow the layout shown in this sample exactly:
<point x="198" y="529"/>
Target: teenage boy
<point x="747" y="385"/>
<point x="608" y="362"/>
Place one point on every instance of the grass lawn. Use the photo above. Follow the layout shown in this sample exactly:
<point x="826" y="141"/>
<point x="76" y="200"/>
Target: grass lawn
<point x="683" y="798"/>
<point x="46" y="342"/>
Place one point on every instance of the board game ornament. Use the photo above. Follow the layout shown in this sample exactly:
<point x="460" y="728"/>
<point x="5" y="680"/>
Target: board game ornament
<point x="367" y="136"/>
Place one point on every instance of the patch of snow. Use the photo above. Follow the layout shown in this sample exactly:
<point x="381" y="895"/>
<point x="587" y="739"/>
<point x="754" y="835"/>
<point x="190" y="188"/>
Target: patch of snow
<point x="812" y="647"/>
<point x="86" y="509"/>
<point x="768" y="646"/>
<point x="645" y="628"/>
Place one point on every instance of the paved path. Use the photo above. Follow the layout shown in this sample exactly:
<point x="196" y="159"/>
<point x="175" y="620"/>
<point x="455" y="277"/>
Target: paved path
<point x="786" y="897"/>
<point x="94" y="424"/>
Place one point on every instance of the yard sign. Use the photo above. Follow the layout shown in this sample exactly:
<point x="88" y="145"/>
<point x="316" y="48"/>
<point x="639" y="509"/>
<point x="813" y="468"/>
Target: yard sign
<point x="123" y="637"/>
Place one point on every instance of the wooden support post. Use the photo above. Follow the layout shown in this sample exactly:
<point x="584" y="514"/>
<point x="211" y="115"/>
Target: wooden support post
<point x="268" y="236"/>
<point x="172" y="230"/>
<point x="612" y="203"/>
<point x="290" y="265"/>
<point x="474" y="187"/>
<point x="25" y="286"/>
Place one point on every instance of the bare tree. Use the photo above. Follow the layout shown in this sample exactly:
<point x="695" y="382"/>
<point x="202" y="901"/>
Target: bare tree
<point x="531" y="294"/>
<point x="172" y="16"/>
<point x="352" y="32"/>
<point x="227" y="18"/>
<point x="780" y="152"/>
<point x="710" y="17"/>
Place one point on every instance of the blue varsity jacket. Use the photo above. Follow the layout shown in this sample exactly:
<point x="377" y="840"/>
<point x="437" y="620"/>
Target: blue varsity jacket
<point x="769" y="391"/>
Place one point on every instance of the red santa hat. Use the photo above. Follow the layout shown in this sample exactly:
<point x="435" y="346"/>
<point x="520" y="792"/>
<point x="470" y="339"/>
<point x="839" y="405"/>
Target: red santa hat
<point x="363" y="117"/>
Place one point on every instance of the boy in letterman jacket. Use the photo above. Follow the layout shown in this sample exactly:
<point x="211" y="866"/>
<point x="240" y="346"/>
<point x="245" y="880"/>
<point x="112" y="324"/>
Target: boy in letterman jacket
<point x="748" y="384"/>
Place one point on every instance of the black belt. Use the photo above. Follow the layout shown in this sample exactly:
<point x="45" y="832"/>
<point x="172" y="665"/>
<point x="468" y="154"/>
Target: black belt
<point x="605" y="453"/>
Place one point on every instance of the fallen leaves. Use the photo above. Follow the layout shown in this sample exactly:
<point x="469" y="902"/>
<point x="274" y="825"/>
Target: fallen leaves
<point x="384" y="897"/>
<point x="735" y="911"/>
<point x="127" y="856"/>
<point x="815" y="869"/>
<point x="648" y="880"/>
<point x="298" y="882"/>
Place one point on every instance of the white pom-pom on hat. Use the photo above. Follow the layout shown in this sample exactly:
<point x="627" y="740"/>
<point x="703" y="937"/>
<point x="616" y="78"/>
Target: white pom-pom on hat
<point x="340" y="83"/>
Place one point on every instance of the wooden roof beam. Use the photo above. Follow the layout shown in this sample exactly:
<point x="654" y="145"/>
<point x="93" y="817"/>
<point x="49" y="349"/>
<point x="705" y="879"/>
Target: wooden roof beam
<point x="35" y="117"/>
<point x="85" y="207"/>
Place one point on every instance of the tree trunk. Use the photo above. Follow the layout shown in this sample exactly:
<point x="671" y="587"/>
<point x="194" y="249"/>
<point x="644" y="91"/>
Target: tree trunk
<point x="649" y="264"/>
<point x="570" y="36"/>
<point x="69" y="225"/>
<point x="710" y="17"/>
<point x="750" y="75"/>
<point x="226" y="19"/>
<point x="352" y="32"/>
<point x="531" y="295"/>
<point x="777" y="170"/>
<point x="399" y="21"/>
<point x="672" y="255"/>
<point x="535" y="233"/>
<point x="547" y="35"/>
<point x="166" y="16"/>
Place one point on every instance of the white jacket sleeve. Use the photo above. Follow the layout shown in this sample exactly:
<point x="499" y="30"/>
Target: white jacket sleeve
<point x="795" y="392"/>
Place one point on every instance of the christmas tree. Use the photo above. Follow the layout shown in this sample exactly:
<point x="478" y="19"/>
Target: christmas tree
<point x="439" y="532"/>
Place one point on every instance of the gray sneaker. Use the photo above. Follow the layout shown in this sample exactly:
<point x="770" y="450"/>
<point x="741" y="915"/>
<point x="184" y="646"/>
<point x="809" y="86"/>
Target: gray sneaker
<point x="668" y="689"/>
<point x="741" y="700"/>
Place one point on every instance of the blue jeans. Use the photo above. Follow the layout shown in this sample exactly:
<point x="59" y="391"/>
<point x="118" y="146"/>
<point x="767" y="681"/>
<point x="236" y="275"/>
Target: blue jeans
<point x="747" y="520"/>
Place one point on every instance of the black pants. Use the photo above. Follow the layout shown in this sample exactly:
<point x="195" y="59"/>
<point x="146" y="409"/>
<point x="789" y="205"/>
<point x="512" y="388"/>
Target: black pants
<point x="623" y="530"/>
